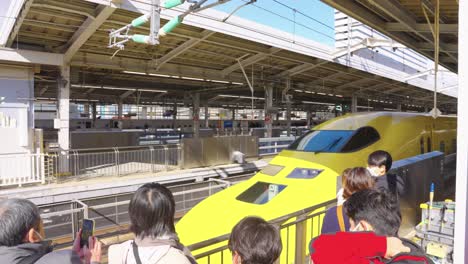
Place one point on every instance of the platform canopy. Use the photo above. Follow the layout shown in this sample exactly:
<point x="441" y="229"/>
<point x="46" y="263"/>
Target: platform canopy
<point x="202" y="55"/>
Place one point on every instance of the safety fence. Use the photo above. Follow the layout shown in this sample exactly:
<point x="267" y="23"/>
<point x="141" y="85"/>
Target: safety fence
<point x="59" y="166"/>
<point x="110" y="213"/>
<point x="22" y="168"/>
<point x="90" y="163"/>
<point x="297" y="230"/>
<point x="273" y="146"/>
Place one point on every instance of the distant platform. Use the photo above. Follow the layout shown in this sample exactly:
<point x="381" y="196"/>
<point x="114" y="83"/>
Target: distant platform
<point x="102" y="186"/>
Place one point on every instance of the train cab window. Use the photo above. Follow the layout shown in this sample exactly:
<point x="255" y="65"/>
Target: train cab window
<point x="322" y="141"/>
<point x="261" y="193"/>
<point x="442" y="147"/>
<point x="363" y="137"/>
<point x="421" y="143"/>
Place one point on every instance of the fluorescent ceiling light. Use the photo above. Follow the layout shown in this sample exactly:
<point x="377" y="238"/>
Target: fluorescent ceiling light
<point x="299" y="91"/>
<point x="309" y="92"/>
<point x="193" y="79"/>
<point x="239" y="96"/>
<point x="138" y="73"/>
<point x="218" y="81"/>
<point x="237" y="83"/>
<point x="364" y="107"/>
<point x="318" y="103"/>
<point x="338" y="95"/>
<point x="322" y="93"/>
<point x="117" y="88"/>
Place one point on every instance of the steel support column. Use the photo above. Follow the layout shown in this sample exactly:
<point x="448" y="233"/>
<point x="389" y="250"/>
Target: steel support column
<point x="354" y="104"/>
<point x="309" y="116"/>
<point x="144" y="113"/>
<point x="120" y="109"/>
<point x="196" y="115"/>
<point x="207" y="117"/>
<point x="461" y="194"/>
<point x="268" y="115"/>
<point x="288" y="118"/>
<point x="174" y="115"/>
<point x="94" y="109"/>
<point x="398" y="108"/>
<point x="64" y="116"/>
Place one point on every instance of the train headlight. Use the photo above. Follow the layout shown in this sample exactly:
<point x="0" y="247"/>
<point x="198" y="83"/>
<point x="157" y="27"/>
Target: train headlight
<point x="301" y="173"/>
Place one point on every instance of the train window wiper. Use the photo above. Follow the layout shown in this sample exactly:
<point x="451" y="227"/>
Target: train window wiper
<point x="329" y="146"/>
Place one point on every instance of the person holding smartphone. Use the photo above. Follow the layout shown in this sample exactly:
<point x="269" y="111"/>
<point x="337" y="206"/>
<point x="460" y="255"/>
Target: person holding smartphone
<point x="22" y="238"/>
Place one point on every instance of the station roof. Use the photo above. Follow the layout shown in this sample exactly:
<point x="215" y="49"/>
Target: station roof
<point x="199" y="56"/>
<point x="406" y="22"/>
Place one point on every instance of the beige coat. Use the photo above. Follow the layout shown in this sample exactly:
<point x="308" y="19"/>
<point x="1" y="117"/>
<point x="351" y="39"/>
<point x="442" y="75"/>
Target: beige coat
<point x="123" y="254"/>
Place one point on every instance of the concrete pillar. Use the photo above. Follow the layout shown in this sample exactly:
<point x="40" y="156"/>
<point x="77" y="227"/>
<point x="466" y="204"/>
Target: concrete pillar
<point x="288" y="118"/>
<point x="94" y="114"/>
<point x="268" y="116"/>
<point x="207" y="117"/>
<point x="461" y="194"/>
<point x="196" y="115"/>
<point x="144" y="112"/>
<point x="398" y="108"/>
<point x="309" y="116"/>
<point x="64" y="116"/>
<point x="426" y="109"/>
<point x="64" y="108"/>
<point x="86" y="110"/>
<point x="354" y="104"/>
<point x="234" y="123"/>
<point x="174" y="116"/>
<point x="120" y="109"/>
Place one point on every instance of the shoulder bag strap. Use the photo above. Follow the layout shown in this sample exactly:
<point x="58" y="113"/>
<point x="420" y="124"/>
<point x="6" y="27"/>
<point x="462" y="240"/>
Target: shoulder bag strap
<point x="339" y="215"/>
<point x="135" y="253"/>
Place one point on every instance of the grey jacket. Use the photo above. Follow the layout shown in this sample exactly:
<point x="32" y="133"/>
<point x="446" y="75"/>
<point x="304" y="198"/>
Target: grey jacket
<point x="38" y="253"/>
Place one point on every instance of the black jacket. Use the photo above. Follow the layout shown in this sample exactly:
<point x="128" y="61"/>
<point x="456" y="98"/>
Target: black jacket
<point x="38" y="253"/>
<point x="393" y="183"/>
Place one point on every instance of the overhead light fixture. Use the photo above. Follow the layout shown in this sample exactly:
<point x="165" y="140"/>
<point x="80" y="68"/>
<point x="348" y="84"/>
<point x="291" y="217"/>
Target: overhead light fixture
<point x="338" y="95"/>
<point x="317" y="103"/>
<point x="322" y="93"/>
<point x="138" y="73"/>
<point x="237" y="83"/>
<point x="192" y="79"/>
<point x="117" y="88"/>
<point x="240" y="97"/>
<point x="218" y="81"/>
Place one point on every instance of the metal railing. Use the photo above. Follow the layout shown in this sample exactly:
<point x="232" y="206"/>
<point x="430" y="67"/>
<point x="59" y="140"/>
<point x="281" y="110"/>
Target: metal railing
<point x="110" y="213"/>
<point x="296" y="230"/>
<point x="273" y="146"/>
<point x="90" y="163"/>
<point x="23" y="168"/>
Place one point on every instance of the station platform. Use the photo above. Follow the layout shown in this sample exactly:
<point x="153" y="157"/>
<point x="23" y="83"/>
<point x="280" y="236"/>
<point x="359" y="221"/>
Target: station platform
<point x="103" y="186"/>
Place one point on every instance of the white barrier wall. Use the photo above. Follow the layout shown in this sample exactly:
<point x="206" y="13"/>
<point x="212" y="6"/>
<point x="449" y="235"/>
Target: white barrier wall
<point x="16" y="109"/>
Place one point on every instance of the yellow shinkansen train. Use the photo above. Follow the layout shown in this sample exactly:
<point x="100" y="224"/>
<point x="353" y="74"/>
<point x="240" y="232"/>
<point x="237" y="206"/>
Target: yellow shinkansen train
<point x="307" y="173"/>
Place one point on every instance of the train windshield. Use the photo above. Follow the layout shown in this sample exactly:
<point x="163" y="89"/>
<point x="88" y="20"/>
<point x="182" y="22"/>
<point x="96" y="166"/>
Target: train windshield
<point x="261" y="193"/>
<point x="336" y="141"/>
<point x="322" y="141"/>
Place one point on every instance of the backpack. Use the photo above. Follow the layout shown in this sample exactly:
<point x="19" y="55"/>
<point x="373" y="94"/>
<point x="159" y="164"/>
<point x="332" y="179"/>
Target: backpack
<point x="416" y="256"/>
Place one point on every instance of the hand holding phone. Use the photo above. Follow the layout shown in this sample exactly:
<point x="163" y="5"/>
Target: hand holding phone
<point x="87" y="231"/>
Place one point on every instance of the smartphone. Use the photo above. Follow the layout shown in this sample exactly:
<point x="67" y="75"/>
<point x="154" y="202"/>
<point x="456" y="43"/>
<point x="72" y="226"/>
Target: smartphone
<point x="87" y="230"/>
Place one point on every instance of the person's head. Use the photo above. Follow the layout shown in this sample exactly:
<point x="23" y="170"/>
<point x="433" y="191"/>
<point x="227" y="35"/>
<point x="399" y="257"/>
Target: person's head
<point x="151" y="211"/>
<point x="356" y="179"/>
<point x="379" y="162"/>
<point x="20" y="222"/>
<point x="254" y="241"/>
<point x="372" y="210"/>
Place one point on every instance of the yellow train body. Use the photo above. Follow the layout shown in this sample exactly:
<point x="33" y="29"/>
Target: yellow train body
<point x="402" y="134"/>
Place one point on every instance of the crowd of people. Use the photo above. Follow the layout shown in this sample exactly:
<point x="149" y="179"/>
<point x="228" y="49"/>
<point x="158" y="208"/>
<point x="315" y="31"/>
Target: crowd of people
<point x="361" y="228"/>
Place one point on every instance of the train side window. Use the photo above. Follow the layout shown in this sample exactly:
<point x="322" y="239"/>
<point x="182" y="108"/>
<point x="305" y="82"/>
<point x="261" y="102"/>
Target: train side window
<point x="429" y="145"/>
<point x="442" y="146"/>
<point x="363" y="137"/>
<point x="421" y="142"/>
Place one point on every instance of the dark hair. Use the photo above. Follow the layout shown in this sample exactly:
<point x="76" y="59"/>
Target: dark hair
<point x="379" y="208"/>
<point x="356" y="179"/>
<point x="256" y="241"/>
<point x="17" y="217"/>
<point x="152" y="211"/>
<point x="380" y="158"/>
